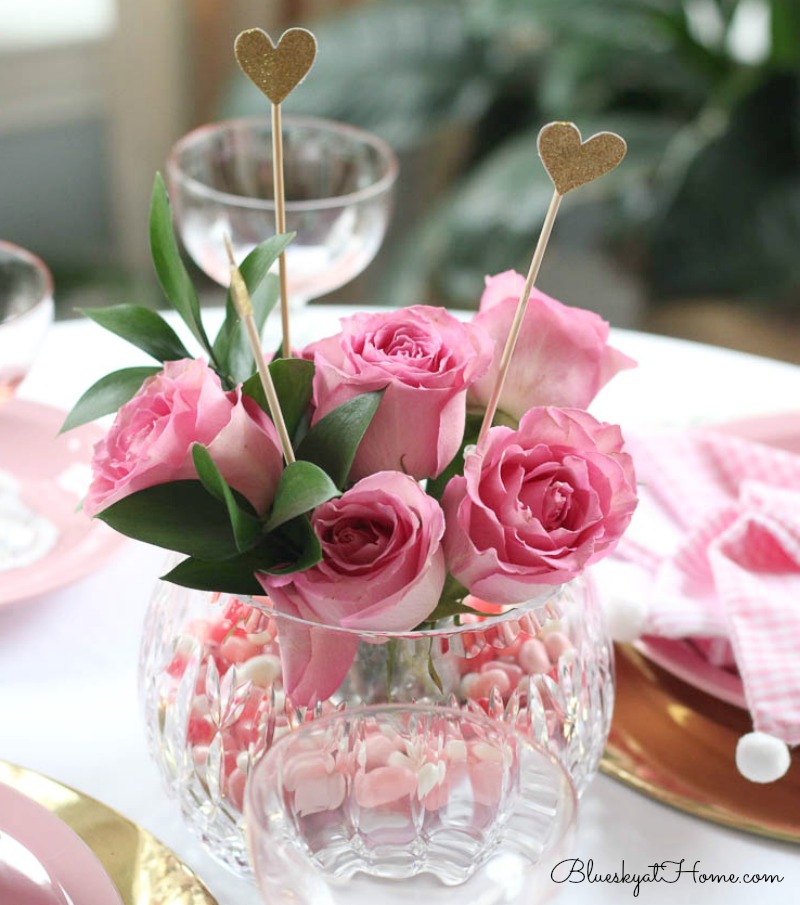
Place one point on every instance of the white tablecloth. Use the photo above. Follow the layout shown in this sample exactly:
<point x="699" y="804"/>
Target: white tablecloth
<point x="68" y="694"/>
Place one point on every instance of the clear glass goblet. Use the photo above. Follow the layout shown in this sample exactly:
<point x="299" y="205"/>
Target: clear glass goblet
<point x="394" y="803"/>
<point x="26" y="312"/>
<point x="338" y="189"/>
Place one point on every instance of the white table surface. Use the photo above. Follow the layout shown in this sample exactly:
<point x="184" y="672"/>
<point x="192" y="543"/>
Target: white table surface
<point x="68" y="692"/>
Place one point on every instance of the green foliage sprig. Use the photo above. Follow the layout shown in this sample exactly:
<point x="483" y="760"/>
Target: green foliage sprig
<point x="224" y="539"/>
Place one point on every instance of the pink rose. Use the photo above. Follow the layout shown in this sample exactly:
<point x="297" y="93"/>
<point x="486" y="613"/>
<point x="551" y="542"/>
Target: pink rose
<point x="150" y="441"/>
<point x="537" y="505"/>
<point x="561" y="357"/>
<point x="382" y="569"/>
<point x="426" y="359"/>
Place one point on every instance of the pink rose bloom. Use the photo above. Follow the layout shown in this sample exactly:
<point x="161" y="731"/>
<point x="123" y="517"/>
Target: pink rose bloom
<point x="426" y="359"/>
<point x="150" y="441"/>
<point x="561" y="357"/>
<point x="382" y="569"/>
<point x="537" y="505"/>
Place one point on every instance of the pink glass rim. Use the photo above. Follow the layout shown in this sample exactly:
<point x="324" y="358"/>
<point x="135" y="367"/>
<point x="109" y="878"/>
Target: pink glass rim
<point x="276" y="750"/>
<point x="536" y="607"/>
<point x="382" y="185"/>
<point x="10" y="250"/>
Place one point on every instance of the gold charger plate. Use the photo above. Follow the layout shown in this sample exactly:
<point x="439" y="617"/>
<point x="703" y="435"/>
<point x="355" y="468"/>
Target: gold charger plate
<point x="677" y="745"/>
<point x="141" y="867"/>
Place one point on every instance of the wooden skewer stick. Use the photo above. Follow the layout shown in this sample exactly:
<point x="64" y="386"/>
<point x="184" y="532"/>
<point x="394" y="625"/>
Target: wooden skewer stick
<point x="276" y="70"/>
<point x="280" y="221"/>
<point x="516" y="325"/>
<point x="244" y="307"/>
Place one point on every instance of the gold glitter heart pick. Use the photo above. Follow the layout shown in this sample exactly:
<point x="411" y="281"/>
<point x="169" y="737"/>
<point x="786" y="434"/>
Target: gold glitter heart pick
<point x="276" y="71"/>
<point x="570" y="162"/>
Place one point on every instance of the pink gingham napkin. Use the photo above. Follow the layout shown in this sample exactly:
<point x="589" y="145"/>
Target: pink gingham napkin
<point x="716" y="543"/>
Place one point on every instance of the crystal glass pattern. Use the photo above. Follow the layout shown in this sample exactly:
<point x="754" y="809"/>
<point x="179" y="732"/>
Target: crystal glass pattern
<point x="214" y="697"/>
<point x="387" y="802"/>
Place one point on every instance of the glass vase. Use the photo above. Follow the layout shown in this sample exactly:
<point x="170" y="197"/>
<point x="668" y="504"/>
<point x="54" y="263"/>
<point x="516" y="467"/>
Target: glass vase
<point x="212" y="685"/>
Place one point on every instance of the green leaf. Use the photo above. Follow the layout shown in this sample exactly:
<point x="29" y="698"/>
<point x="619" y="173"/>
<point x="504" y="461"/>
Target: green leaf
<point x="233" y="576"/>
<point x="252" y="387"/>
<point x="231" y="346"/>
<point x="304" y="543"/>
<point x="446" y="609"/>
<point x="302" y="486"/>
<point x="107" y="395"/>
<point x="180" y="516"/>
<point x="333" y="441"/>
<point x="293" y="379"/>
<point x="142" y="327"/>
<point x="450" y="603"/>
<point x="246" y="527"/>
<point x="169" y="266"/>
<point x="292" y="548"/>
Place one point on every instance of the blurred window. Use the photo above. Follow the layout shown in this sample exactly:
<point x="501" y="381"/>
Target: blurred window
<point x="37" y="23"/>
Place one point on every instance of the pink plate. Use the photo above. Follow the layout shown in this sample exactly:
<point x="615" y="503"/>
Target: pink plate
<point x="52" y="473"/>
<point x="681" y="659"/>
<point x="43" y="862"/>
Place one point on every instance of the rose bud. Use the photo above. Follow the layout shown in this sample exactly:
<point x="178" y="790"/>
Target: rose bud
<point x="426" y="360"/>
<point x="561" y="357"/>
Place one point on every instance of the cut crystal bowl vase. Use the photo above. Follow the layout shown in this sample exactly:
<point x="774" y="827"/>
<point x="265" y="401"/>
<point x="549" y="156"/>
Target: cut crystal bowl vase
<point x="215" y="699"/>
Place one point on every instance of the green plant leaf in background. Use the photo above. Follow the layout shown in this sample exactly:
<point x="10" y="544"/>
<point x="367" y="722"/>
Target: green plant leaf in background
<point x="245" y="525"/>
<point x="491" y="220"/>
<point x="333" y="441"/>
<point x="107" y="395"/>
<point x="169" y="266"/>
<point x="231" y="346"/>
<point x="675" y="69"/>
<point x="717" y="235"/>
<point x="785" y="33"/>
<point x="143" y="328"/>
<point x="302" y="486"/>
<point x="180" y="516"/>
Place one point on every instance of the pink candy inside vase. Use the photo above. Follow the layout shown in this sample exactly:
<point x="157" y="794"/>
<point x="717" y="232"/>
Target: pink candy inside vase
<point x="227" y="669"/>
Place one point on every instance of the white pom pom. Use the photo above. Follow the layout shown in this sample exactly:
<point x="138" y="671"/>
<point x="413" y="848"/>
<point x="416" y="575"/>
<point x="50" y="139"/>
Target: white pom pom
<point x="625" y="617"/>
<point x="624" y="590"/>
<point x="761" y="757"/>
